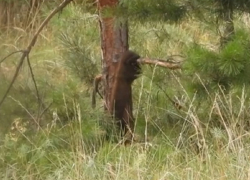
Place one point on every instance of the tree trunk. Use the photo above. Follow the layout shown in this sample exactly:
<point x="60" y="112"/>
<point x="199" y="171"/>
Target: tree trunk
<point x="227" y="17"/>
<point x="114" y="42"/>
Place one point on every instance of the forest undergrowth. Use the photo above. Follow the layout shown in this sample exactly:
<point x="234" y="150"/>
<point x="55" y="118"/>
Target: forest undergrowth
<point x="64" y="138"/>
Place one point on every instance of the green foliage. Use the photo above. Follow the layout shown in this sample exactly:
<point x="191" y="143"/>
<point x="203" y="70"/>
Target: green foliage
<point x="81" y="50"/>
<point x="152" y="10"/>
<point x="58" y="89"/>
<point x="64" y="98"/>
<point x="18" y="104"/>
<point x="42" y="150"/>
<point x="229" y="67"/>
<point x="78" y="57"/>
<point x="234" y="57"/>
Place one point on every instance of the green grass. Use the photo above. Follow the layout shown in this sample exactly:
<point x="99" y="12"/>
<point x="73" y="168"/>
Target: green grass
<point x="77" y="150"/>
<point x="207" y="139"/>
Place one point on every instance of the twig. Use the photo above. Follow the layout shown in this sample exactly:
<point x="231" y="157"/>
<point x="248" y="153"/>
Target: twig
<point x="14" y="77"/>
<point x="33" y="79"/>
<point x="44" y="110"/>
<point x="176" y="104"/>
<point x="96" y="83"/>
<point x="10" y="55"/>
<point x="32" y="43"/>
<point x="25" y="109"/>
<point x="159" y="62"/>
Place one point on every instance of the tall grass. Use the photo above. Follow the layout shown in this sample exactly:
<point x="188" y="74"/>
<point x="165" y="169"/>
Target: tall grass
<point x="78" y="150"/>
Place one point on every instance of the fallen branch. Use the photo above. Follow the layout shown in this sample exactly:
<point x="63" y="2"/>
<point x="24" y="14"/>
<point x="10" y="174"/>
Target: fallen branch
<point x="170" y="63"/>
<point x="31" y="44"/>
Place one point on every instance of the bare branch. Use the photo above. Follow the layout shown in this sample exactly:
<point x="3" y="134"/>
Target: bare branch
<point x="32" y="43"/>
<point x="10" y="55"/>
<point x="45" y="22"/>
<point x="171" y="63"/>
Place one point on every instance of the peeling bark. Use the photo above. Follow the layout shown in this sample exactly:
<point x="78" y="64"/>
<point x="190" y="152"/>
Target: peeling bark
<point x="114" y="42"/>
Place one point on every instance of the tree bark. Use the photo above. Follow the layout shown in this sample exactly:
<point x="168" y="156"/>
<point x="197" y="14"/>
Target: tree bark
<point x="114" y="42"/>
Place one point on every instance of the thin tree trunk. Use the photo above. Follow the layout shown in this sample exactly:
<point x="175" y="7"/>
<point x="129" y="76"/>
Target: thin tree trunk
<point x="227" y="17"/>
<point x="114" y="42"/>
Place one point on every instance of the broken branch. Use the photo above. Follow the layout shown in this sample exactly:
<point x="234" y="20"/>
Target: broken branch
<point x="170" y="63"/>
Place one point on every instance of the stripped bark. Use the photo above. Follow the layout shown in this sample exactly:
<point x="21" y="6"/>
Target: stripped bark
<point x="114" y="42"/>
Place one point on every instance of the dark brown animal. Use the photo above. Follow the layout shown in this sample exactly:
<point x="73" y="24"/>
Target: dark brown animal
<point x="128" y="69"/>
